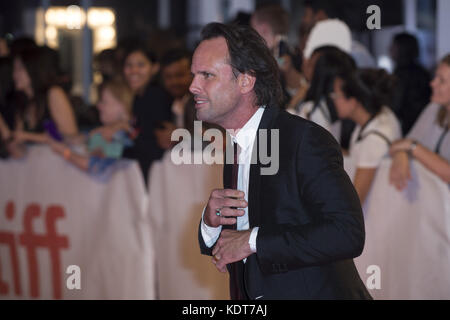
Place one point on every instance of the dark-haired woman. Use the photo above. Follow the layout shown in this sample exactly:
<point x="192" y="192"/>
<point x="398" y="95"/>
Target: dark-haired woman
<point x="363" y="98"/>
<point x="318" y="107"/>
<point x="44" y="105"/>
<point x="151" y="106"/>
<point x="429" y="140"/>
<point x="6" y="88"/>
<point x="413" y="90"/>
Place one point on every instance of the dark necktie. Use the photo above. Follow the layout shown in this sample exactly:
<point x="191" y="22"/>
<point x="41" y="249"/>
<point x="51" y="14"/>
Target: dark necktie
<point x="234" y="174"/>
<point x="236" y="269"/>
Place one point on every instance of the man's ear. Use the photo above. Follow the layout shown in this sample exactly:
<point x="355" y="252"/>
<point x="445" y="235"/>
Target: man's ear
<point x="246" y="82"/>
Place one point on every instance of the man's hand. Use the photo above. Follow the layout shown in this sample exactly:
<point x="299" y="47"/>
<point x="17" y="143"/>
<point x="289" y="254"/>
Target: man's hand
<point x="232" y="246"/>
<point x="227" y="201"/>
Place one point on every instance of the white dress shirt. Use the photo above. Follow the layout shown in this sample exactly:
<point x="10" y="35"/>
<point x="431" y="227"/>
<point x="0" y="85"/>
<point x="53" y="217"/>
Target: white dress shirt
<point x="245" y="139"/>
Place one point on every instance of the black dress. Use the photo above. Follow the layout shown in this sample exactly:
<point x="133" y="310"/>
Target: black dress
<point x="149" y="110"/>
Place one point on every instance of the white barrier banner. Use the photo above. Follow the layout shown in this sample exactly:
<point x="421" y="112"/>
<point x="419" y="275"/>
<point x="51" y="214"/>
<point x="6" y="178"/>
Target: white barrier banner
<point x="66" y="235"/>
<point x="178" y="194"/>
<point x="407" y="249"/>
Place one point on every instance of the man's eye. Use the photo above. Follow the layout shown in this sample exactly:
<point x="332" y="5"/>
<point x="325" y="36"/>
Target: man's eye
<point x="207" y="75"/>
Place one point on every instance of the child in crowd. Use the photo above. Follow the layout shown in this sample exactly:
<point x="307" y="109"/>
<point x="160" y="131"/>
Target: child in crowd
<point x="115" y="104"/>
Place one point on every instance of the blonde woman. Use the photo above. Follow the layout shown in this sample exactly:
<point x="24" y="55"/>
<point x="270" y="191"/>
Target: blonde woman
<point x="429" y="140"/>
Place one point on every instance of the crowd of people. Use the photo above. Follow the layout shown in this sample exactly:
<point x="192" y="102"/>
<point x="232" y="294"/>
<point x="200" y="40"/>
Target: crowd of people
<point x="140" y="103"/>
<point x="327" y="78"/>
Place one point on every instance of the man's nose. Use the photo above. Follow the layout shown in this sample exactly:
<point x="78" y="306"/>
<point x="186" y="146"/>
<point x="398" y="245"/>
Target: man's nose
<point x="194" y="88"/>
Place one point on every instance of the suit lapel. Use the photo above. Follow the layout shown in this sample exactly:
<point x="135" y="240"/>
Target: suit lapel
<point x="254" y="188"/>
<point x="227" y="168"/>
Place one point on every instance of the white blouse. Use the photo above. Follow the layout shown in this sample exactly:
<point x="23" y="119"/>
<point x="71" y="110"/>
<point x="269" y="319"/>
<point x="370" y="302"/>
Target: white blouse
<point x="321" y="116"/>
<point x="370" y="144"/>
<point x="428" y="132"/>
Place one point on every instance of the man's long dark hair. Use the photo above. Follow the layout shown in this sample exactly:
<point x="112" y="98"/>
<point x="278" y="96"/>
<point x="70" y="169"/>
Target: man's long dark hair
<point x="249" y="54"/>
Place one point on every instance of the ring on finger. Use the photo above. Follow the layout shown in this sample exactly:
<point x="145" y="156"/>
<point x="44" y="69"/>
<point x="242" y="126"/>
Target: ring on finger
<point x="218" y="212"/>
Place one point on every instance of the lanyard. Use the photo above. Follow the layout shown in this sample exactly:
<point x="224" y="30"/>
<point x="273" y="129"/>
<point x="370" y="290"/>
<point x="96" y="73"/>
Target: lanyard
<point x="441" y="140"/>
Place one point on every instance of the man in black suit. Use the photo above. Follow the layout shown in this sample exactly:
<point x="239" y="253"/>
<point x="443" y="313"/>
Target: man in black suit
<point x="288" y="233"/>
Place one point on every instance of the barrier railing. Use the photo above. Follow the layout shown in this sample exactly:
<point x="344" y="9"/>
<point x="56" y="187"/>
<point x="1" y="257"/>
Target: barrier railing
<point x="65" y="235"/>
<point x="407" y="249"/>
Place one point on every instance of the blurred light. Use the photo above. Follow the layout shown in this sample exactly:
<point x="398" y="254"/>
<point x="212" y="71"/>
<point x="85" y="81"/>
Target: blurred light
<point x="385" y="62"/>
<point x="106" y="33"/>
<point x="100" y="20"/>
<point x="51" y="33"/>
<point x="56" y="17"/>
<point x="104" y="38"/>
<point x="75" y="17"/>
<point x="100" y="17"/>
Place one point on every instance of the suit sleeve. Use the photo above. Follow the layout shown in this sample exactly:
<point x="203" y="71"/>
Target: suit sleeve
<point x="336" y="230"/>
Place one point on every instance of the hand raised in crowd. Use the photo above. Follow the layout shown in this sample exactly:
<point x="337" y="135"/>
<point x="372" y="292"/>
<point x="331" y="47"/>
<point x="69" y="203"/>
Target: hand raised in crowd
<point x="400" y="145"/>
<point x="399" y="173"/>
<point x="20" y="136"/>
<point x="15" y="147"/>
<point x="108" y="131"/>
<point x="164" y="134"/>
<point x="227" y="201"/>
<point x="232" y="246"/>
<point x="56" y="146"/>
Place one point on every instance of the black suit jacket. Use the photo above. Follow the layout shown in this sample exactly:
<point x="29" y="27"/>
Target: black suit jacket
<point x="309" y="217"/>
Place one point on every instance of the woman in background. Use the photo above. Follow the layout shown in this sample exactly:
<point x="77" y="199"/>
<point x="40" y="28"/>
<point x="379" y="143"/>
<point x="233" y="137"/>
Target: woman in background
<point x="318" y="107"/>
<point x="363" y="97"/>
<point x="151" y="106"/>
<point x="43" y="106"/>
<point x="429" y="140"/>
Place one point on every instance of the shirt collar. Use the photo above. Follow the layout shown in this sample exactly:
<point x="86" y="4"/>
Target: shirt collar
<point x="246" y="135"/>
